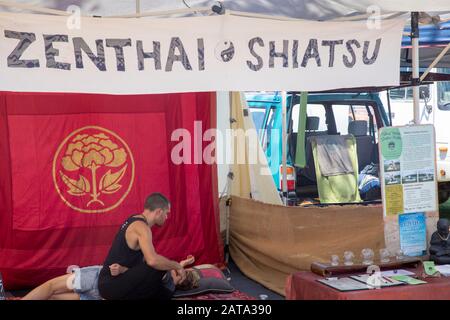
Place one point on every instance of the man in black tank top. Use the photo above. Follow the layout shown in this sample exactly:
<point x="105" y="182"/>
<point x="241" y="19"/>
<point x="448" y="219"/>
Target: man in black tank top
<point x="133" y="249"/>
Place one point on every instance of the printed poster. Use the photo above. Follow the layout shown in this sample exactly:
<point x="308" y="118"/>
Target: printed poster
<point x="408" y="173"/>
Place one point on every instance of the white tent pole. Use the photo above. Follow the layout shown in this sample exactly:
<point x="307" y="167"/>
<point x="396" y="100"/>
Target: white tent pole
<point x="415" y="65"/>
<point x="261" y="16"/>
<point x="202" y="9"/>
<point x="368" y="15"/>
<point x="138" y="7"/>
<point x="283" y="146"/>
<point x="274" y="17"/>
<point x="435" y="61"/>
<point x="230" y="12"/>
<point x="163" y="13"/>
<point x="385" y="16"/>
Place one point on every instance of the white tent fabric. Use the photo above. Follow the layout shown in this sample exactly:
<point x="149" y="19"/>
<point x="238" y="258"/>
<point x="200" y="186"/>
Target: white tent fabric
<point x="299" y="9"/>
<point x="252" y="179"/>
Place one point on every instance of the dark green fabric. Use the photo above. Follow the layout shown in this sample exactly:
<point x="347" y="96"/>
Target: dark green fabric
<point x="300" y="156"/>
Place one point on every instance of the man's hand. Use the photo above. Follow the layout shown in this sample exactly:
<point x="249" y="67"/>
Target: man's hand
<point x="117" y="269"/>
<point x="180" y="274"/>
<point x="175" y="277"/>
<point x="114" y="269"/>
<point x="189" y="260"/>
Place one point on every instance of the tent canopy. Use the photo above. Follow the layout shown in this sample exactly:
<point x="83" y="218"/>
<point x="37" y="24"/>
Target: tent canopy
<point x="432" y="39"/>
<point x="298" y="9"/>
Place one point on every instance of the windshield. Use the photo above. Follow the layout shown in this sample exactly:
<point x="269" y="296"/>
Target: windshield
<point x="443" y="91"/>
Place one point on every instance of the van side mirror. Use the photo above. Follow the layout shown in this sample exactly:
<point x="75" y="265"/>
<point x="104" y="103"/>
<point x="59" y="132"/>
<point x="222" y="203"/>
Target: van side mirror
<point x="424" y="92"/>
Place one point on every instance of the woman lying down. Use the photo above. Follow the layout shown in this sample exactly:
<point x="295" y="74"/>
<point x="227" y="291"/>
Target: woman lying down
<point x="82" y="283"/>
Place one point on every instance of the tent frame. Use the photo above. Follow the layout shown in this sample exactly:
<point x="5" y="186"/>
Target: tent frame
<point x="415" y="81"/>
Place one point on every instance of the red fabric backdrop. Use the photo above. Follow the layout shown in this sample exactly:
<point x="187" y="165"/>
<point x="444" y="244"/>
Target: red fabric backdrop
<point x="74" y="166"/>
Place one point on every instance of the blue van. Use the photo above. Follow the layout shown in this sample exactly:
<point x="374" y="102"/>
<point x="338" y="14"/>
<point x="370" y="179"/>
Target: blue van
<point x="359" y="114"/>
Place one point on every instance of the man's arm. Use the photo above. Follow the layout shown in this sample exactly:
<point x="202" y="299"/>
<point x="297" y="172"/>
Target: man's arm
<point x="153" y="259"/>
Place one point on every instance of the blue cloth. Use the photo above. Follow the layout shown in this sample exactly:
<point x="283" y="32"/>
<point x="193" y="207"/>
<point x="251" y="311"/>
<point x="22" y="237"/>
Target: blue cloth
<point x="369" y="183"/>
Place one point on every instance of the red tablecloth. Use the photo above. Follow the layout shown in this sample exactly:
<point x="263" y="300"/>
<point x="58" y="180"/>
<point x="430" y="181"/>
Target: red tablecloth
<point x="303" y="286"/>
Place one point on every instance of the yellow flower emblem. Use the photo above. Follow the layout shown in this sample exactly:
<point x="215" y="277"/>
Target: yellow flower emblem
<point x="89" y="153"/>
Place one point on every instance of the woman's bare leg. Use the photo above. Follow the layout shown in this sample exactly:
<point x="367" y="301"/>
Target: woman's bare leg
<point x="50" y="288"/>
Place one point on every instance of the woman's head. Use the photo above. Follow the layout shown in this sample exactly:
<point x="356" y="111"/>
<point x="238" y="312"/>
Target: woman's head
<point x="192" y="280"/>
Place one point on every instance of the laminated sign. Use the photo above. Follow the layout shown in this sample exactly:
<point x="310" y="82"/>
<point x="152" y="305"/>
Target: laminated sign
<point x="408" y="169"/>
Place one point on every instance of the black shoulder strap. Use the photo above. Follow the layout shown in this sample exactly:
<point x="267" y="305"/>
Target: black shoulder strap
<point x="134" y="218"/>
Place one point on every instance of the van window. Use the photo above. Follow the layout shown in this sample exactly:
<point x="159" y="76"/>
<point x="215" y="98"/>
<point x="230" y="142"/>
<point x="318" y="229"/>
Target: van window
<point x="344" y="113"/>
<point x="397" y="94"/>
<point x="258" y="115"/>
<point x="266" y="133"/>
<point x="342" y="116"/>
<point x="405" y="93"/>
<point x="312" y="110"/>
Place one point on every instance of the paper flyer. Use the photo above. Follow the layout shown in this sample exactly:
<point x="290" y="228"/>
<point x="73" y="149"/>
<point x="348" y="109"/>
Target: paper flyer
<point x="413" y="234"/>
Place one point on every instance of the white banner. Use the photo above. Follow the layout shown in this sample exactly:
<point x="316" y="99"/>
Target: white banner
<point x="133" y="56"/>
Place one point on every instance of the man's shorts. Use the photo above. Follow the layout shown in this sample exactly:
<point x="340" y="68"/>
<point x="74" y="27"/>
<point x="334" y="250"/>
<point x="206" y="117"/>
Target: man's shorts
<point x="85" y="282"/>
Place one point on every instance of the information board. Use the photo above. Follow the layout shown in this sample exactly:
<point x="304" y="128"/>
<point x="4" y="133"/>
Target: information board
<point x="408" y="169"/>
